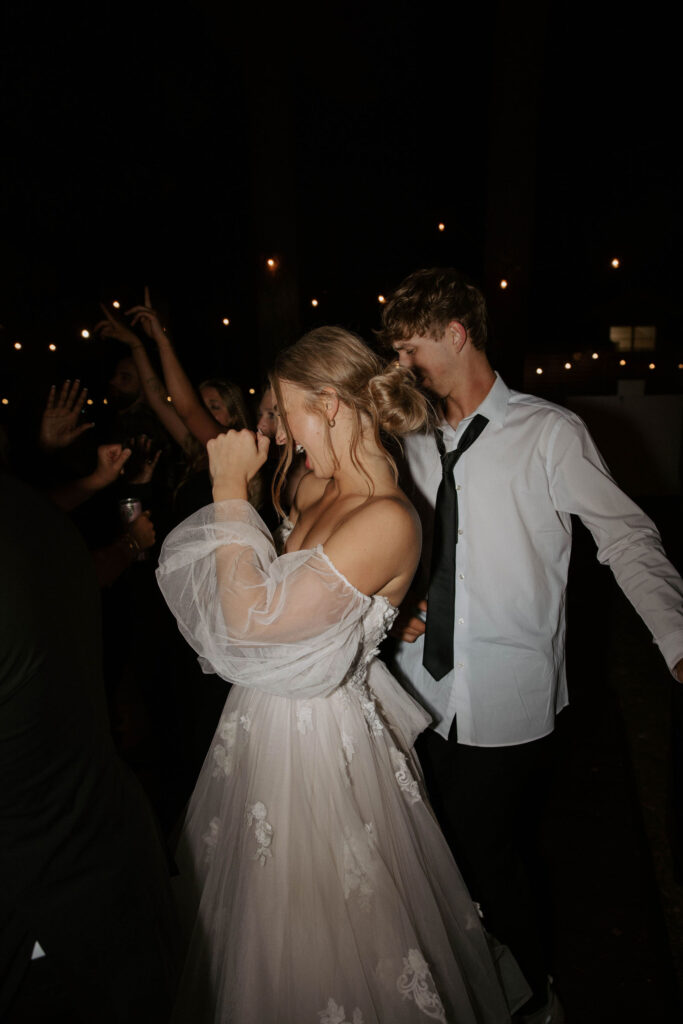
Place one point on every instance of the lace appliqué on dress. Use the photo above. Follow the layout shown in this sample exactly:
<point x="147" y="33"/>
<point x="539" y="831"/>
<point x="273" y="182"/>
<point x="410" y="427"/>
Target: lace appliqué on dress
<point x="357" y="866"/>
<point x="304" y="717"/>
<point x="417" y="983"/>
<point x="407" y="784"/>
<point x="210" y="839"/>
<point x="224" y="753"/>
<point x="356" y="682"/>
<point x="348" y="746"/>
<point x="262" y="830"/>
<point x="334" y="1014"/>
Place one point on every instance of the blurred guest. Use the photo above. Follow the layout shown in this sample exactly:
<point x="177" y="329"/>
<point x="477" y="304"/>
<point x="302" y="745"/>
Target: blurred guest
<point x="83" y="878"/>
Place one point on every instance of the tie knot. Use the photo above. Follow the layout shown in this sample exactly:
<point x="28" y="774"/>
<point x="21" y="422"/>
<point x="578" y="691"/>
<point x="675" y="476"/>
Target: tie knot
<point x="474" y="429"/>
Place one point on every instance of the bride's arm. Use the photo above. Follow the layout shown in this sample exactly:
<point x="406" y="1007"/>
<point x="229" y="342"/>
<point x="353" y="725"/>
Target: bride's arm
<point x="288" y="625"/>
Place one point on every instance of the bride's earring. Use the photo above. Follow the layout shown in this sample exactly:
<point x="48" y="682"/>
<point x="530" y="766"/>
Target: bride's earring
<point x="299" y="449"/>
<point x="332" y="422"/>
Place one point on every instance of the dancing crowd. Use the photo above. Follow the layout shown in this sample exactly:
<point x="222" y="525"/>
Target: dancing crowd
<point x="216" y="797"/>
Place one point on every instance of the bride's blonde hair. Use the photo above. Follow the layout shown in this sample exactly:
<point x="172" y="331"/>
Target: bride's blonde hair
<point x="382" y="397"/>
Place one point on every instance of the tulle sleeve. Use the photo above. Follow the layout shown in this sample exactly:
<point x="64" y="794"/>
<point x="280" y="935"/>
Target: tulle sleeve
<point x="289" y="625"/>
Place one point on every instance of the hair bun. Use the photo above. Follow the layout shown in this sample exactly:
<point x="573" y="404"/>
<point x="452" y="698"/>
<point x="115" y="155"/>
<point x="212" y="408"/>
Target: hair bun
<point x="401" y="408"/>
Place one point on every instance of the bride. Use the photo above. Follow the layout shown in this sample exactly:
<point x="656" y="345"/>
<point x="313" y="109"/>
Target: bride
<point x="318" y="888"/>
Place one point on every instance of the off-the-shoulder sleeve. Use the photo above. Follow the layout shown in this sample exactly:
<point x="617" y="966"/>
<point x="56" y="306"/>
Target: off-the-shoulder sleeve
<point x="289" y="625"/>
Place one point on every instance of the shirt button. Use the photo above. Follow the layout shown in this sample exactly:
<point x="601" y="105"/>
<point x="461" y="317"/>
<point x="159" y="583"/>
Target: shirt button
<point x="461" y="575"/>
<point x="459" y="665"/>
<point x="458" y="487"/>
<point x="461" y="621"/>
<point x="460" y="533"/>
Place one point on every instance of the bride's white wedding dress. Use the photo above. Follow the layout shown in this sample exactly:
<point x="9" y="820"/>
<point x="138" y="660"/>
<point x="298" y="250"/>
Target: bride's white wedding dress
<point x="318" y="886"/>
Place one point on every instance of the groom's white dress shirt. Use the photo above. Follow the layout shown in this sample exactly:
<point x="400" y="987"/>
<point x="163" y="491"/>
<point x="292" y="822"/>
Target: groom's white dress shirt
<point x="533" y="466"/>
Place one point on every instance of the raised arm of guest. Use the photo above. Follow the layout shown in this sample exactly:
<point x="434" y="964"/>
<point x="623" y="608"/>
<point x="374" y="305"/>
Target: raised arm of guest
<point x="187" y="402"/>
<point x="59" y="425"/>
<point x="153" y="387"/>
<point x="111" y="459"/>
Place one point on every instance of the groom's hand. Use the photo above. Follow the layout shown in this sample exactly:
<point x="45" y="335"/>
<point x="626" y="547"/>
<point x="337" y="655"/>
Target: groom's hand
<point x="410" y="622"/>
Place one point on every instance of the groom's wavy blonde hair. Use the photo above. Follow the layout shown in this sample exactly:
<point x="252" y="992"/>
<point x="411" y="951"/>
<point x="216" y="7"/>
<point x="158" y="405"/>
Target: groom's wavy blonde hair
<point x="382" y="397"/>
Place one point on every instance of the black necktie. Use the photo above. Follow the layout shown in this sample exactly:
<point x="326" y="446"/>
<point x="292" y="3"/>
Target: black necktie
<point x="437" y="656"/>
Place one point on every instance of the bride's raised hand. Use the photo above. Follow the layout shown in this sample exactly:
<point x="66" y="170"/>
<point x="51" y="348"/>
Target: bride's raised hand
<point x="234" y="459"/>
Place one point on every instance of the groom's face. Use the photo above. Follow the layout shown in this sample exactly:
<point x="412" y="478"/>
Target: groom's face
<point x="430" y="359"/>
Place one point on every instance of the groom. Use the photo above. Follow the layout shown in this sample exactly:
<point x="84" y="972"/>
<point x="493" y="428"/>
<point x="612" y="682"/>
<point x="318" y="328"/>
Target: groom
<point x="488" y="663"/>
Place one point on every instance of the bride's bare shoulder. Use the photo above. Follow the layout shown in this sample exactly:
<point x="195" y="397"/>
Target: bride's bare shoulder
<point x="377" y="547"/>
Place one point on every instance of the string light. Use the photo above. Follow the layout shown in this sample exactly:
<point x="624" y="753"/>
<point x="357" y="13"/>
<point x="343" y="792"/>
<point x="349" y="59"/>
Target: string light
<point x="252" y="391"/>
<point x="622" y="362"/>
<point x="651" y="366"/>
<point x="314" y="302"/>
<point x="5" y="401"/>
<point x="168" y="398"/>
<point x="616" y="263"/>
<point x="680" y="366"/>
<point x="105" y="402"/>
<point x="116" y="304"/>
<point x="594" y="355"/>
<point x="567" y="366"/>
<point x="52" y="348"/>
<point x="503" y="284"/>
<point x="539" y="370"/>
<point x="381" y="299"/>
<point x="226" y="321"/>
<point x="17" y="345"/>
<point x="90" y="401"/>
<point x="442" y="227"/>
<point x="85" y="334"/>
<point x="271" y="263"/>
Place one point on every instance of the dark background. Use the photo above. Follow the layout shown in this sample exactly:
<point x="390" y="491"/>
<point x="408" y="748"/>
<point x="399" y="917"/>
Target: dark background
<point x="180" y="150"/>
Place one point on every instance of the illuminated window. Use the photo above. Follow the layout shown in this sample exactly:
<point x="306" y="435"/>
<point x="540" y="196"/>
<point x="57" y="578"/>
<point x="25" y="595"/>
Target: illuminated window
<point x="629" y="339"/>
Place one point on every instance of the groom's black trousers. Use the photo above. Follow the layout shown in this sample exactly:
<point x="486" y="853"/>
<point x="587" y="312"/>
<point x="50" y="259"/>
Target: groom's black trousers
<point x="488" y="801"/>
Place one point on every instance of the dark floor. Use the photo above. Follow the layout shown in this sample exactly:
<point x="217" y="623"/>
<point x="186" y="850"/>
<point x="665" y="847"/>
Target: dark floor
<point x="618" y="907"/>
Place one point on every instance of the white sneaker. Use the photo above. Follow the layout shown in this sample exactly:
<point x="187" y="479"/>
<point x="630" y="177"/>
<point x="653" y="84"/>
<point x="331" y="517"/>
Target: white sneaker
<point x="551" y="1013"/>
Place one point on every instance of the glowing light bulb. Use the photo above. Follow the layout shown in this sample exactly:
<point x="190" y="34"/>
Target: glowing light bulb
<point x="226" y="321"/>
<point x="168" y="398"/>
<point x="539" y="370"/>
<point x="314" y="302"/>
<point x="85" y="334"/>
<point x="651" y="366"/>
<point x="616" y="263"/>
<point x="594" y="355"/>
<point x="17" y="345"/>
<point x="442" y="227"/>
<point x="271" y="263"/>
<point x="90" y="401"/>
<point x="105" y="402"/>
<point x="503" y="284"/>
<point x="52" y="348"/>
<point x="622" y="362"/>
<point x="381" y="299"/>
<point x="680" y="366"/>
<point x="567" y="366"/>
<point x="5" y="401"/>
<point x="252" y="391"/>
<point x="116" y="304"/>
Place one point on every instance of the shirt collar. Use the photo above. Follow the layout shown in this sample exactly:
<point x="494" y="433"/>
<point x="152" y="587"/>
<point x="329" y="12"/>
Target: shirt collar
<point x="494" y="406"/>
